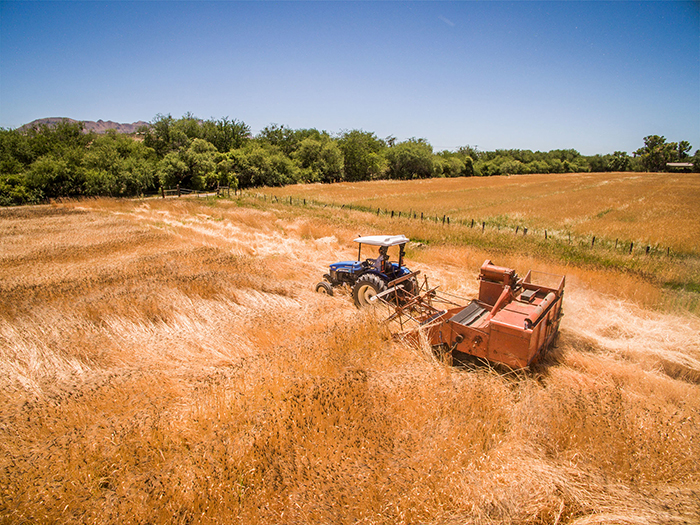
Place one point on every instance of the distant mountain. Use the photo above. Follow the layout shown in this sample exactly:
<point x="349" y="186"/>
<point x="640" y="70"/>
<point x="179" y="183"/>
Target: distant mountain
<point x="100" y="126"/>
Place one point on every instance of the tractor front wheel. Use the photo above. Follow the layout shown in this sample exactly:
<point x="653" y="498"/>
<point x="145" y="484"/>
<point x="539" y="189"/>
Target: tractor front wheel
<point x="324" y="287"/>
<point x="366" y="288"/>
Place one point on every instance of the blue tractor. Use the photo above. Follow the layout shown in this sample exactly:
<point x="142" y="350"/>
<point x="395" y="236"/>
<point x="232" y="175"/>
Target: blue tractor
<point x="372" y="277"/>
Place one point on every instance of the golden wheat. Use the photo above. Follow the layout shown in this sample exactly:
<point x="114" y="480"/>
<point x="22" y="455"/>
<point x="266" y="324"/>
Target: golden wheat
<point x="649" y="208"/>
<point x="169" y="362"/>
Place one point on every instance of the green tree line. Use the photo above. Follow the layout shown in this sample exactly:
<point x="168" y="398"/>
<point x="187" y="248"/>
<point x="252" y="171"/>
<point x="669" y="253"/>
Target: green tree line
<point x="65" y="160"/>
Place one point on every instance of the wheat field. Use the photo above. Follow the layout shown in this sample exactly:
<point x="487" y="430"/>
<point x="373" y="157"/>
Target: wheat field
<point x="167" y="361"/>
<point x="647" y="208"/>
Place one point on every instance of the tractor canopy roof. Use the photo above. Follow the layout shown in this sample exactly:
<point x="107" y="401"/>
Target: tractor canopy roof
<point x="383" y="240"/>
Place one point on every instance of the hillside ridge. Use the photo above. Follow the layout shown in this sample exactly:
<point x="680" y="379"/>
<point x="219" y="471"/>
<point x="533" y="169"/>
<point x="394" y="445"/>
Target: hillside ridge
<point x="99" y="126"/>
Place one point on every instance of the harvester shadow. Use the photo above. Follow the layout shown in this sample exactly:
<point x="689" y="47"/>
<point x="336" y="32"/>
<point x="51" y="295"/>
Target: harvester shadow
<point x="539" y="370"/>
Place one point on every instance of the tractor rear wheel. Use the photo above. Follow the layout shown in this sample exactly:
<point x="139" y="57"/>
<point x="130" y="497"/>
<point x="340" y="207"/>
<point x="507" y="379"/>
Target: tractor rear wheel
<point x="366" y="287"/>
<point x="411" y="286"/>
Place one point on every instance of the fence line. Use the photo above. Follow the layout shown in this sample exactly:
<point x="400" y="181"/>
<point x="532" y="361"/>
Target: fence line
<point x="446" y="221"/>
<point x="179" y="192"/>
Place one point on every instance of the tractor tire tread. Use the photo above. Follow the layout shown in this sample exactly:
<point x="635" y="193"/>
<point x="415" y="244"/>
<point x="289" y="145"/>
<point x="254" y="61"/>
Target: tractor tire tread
<point x="368" y="279"/>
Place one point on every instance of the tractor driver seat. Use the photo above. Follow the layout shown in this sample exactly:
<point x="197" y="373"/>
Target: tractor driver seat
<point x="380" y="262"/>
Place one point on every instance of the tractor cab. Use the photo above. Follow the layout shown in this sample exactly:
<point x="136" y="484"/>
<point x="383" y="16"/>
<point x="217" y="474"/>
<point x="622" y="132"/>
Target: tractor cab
<point x="380" y="264"/>
<point x="369" y="276"/>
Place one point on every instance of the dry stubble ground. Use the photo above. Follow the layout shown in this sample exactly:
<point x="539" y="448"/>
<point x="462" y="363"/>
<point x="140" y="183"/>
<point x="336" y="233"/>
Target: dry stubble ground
<point x="169" y="362"/>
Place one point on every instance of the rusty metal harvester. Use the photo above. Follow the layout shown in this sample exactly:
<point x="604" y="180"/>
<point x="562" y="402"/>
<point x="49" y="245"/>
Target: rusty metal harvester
<point x="512" y="322"/>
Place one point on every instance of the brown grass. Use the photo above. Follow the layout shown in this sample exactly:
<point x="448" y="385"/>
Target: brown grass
<point x="647" y="208"/>
<point x="168" y="362"/>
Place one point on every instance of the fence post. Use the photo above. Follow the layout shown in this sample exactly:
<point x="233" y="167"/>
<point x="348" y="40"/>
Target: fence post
<point x="545" y="235"/>
<point x="162" y="191"/>
<point x="443" y="220"/>
<point x="421" y="215"/>
<point x="516" y="230"/>
<point x="483" y="226"/>
<point x="392" y="214"/>
<point x="178" y="190"/>
<point x="593" y="241"/>
<point x="472" y="223"/>
<point x="631" y="245"/>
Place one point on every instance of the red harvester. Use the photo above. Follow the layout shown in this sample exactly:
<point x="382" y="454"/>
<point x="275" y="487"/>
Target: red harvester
<point x="512" y="322"/>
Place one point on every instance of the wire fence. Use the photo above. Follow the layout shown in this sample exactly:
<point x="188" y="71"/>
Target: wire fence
<point x="626" y="246"/>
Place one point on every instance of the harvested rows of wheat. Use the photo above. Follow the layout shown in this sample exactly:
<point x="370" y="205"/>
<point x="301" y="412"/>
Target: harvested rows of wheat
<point x="168" y="361"/>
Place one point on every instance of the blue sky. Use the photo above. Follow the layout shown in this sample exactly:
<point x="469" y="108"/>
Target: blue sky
<point x="590" y="75"/>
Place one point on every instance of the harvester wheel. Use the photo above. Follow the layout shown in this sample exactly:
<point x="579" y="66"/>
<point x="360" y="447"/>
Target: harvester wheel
<point x="366" y="287"/>
<point x="325" y="288"/>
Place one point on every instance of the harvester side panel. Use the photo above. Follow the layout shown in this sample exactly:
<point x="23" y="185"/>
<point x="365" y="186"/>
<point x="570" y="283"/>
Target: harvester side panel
<point x="490" y="291"/>
<point x="509" y="344"/>
<point x="469" y="341"/>
<point x="544" y="330"/>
